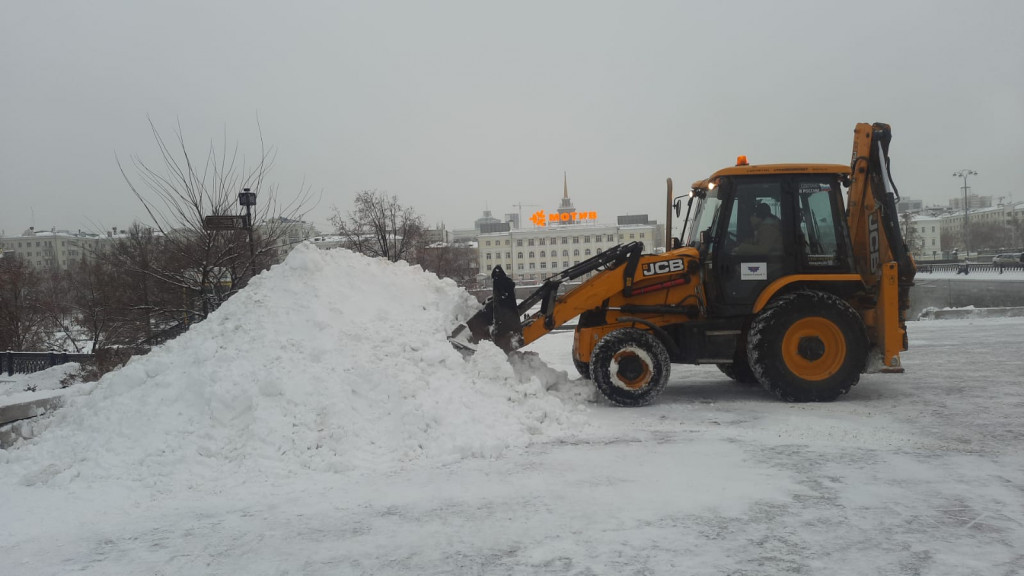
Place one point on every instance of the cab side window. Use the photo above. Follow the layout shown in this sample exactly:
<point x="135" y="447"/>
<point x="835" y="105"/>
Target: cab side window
<point x="819" y="234"/>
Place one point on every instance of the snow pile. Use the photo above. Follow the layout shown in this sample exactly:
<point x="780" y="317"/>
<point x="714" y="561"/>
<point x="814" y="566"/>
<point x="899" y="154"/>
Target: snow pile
<point x="24" y="387"/>
<point x="330" y="362"/>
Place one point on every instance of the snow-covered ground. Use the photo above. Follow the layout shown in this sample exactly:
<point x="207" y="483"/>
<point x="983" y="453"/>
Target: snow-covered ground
<point x="319" y="423"/>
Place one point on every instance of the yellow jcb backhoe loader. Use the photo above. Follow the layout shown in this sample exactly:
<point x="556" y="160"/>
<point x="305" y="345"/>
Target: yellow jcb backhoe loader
<point x="772" y="278"/>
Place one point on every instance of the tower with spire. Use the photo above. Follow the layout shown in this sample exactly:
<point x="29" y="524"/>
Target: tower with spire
<point x="566" y="206"/>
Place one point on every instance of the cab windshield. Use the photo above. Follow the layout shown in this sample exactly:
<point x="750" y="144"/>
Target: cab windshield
<point x="704" y="215"/>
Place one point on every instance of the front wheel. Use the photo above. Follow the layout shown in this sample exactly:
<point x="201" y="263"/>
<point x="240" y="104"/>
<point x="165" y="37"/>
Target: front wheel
<point x="807" y="346"/>
<point x="630" y="367"/>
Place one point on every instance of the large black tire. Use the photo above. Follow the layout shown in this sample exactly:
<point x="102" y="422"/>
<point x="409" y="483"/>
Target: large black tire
<point x="807" y="346"/>
<point x="630" y="367"/>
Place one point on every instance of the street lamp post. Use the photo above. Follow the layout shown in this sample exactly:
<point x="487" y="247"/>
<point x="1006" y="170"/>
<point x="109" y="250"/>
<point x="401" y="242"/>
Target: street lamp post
<point x="967" y="242"/>
<point x="248" y="199"/>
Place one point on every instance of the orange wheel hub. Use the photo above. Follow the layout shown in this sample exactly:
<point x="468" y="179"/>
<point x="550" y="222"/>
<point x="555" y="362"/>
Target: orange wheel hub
<point x="632" y="372"/>
<point x="814" y="348"/>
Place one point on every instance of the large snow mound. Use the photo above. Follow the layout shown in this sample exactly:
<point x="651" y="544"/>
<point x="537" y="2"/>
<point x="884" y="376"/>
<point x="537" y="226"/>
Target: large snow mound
<point x="329" y="362"/>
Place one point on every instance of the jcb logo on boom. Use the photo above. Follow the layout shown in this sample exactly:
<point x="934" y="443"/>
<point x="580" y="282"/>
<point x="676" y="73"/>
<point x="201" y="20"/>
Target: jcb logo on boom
<point x="873" y="243"/>
<point x="664" y="267"/>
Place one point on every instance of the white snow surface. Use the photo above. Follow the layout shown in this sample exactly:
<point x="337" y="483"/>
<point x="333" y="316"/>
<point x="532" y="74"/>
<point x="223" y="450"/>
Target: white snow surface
<point x="330" y="362"/>
<point x="320" y="423"/>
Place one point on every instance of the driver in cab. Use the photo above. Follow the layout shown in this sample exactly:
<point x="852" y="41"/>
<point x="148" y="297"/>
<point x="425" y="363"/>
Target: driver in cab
<point x="767" y="233"/>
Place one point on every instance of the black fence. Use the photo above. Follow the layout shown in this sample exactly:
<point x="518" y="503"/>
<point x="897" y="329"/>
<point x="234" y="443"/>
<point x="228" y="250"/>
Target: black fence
<point x="962" y="268"/>
<point x="13" y="363"/>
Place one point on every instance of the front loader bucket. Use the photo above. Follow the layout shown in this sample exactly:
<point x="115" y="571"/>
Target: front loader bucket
<point x="498" y="321"/>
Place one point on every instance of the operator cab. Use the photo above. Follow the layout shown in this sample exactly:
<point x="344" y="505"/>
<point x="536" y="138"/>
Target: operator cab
<point x="755" y="224"/>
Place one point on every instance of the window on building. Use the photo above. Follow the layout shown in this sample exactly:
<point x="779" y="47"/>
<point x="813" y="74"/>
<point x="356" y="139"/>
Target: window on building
<point x="575" y="239"/>
<point x="532" y="266"/>
<point x="488" y="242"/>
<point x="565" y="252"/>
<point x="520" y="265"/>
<point x="587" y="252"/>
<point x="632" y="236"/>
<point x="611" y="238"/>
<point x="642" y="235"/>
<point x="488" y="255"/>
<point x="576" y="252"/>
<point x="543" y="253"/>
<point x="543" y="265"/>
<point x="586" y="239"/>
<point x="531" y="254"/>
<point x="508" y="255"/>
<point x="565" y="239"/>
<point x="530" y="242"/>
<point x="543" y="241"/>
<point x="519" y="242"/>
<point x="565" y="264"/>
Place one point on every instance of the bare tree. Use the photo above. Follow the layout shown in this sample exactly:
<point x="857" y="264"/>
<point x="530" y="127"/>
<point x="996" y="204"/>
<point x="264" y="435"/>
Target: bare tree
<point x="97" y="295"/>
<point x="55" y="302"/>
<point x="449" y="261"/>
<point x="180" y="191"/>
<point x="380" y="226"/>
<point x="22" y="318"/>
<point x="911" y="237"/>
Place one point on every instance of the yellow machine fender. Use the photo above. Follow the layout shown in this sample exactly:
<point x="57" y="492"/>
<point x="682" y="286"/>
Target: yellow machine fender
<point x="777" y="286"/>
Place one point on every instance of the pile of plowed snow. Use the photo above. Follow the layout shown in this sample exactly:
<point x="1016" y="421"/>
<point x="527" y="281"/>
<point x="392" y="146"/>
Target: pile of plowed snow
<point x="330" y="362"/>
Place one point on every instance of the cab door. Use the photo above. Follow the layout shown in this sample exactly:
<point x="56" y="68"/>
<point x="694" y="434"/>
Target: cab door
<point x="739" y="271"/>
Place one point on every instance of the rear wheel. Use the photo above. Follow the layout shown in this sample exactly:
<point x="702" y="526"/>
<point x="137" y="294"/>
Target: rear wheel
<point x="807" y="346"/>
<point x="630" y="367"/>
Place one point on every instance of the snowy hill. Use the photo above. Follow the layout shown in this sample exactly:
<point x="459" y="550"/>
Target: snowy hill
<point x="330" y="362"/>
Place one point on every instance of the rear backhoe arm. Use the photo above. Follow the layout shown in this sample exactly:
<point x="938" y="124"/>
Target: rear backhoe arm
<point x="880" y="252"/>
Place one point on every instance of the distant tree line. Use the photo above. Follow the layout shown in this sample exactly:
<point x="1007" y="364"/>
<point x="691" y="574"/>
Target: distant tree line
<point x="382" y="227"/>
<point x="161" y="276"/>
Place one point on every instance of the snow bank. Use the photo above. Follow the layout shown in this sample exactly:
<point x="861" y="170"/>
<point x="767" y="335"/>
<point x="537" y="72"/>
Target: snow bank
<point x="330" y="362"/>
<point x="934" y="313"/>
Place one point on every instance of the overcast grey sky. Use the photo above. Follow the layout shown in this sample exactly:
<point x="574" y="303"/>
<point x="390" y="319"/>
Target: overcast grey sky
<point x="460" y="106"/>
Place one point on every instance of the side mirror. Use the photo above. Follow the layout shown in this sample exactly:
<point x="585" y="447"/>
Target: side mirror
<point x="678" y="205"/>
<point x="705" y="238"/>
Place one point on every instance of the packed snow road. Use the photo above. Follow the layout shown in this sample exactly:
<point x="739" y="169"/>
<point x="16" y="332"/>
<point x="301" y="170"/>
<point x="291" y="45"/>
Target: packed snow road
<point x="914" y="474"/>
<point x="277" y="453"/>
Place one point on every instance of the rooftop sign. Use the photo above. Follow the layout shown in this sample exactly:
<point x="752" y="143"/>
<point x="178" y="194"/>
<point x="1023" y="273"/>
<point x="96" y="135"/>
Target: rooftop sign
<point x="539" y="218"/>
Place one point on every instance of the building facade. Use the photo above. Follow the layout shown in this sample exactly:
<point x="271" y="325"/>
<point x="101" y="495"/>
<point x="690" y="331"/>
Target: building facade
<point x="533" y="254"/>
<point x="55" y="249"/>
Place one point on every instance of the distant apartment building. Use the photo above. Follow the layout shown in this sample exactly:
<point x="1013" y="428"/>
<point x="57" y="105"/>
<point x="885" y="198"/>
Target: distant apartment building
<point x="534" y="254"/>
<point x="289" y="234"/>
<point x="974" y="202"/>
<point x="551" y="242"/>
<point x="55" y="249"/>
<point x="923" y="235"/>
